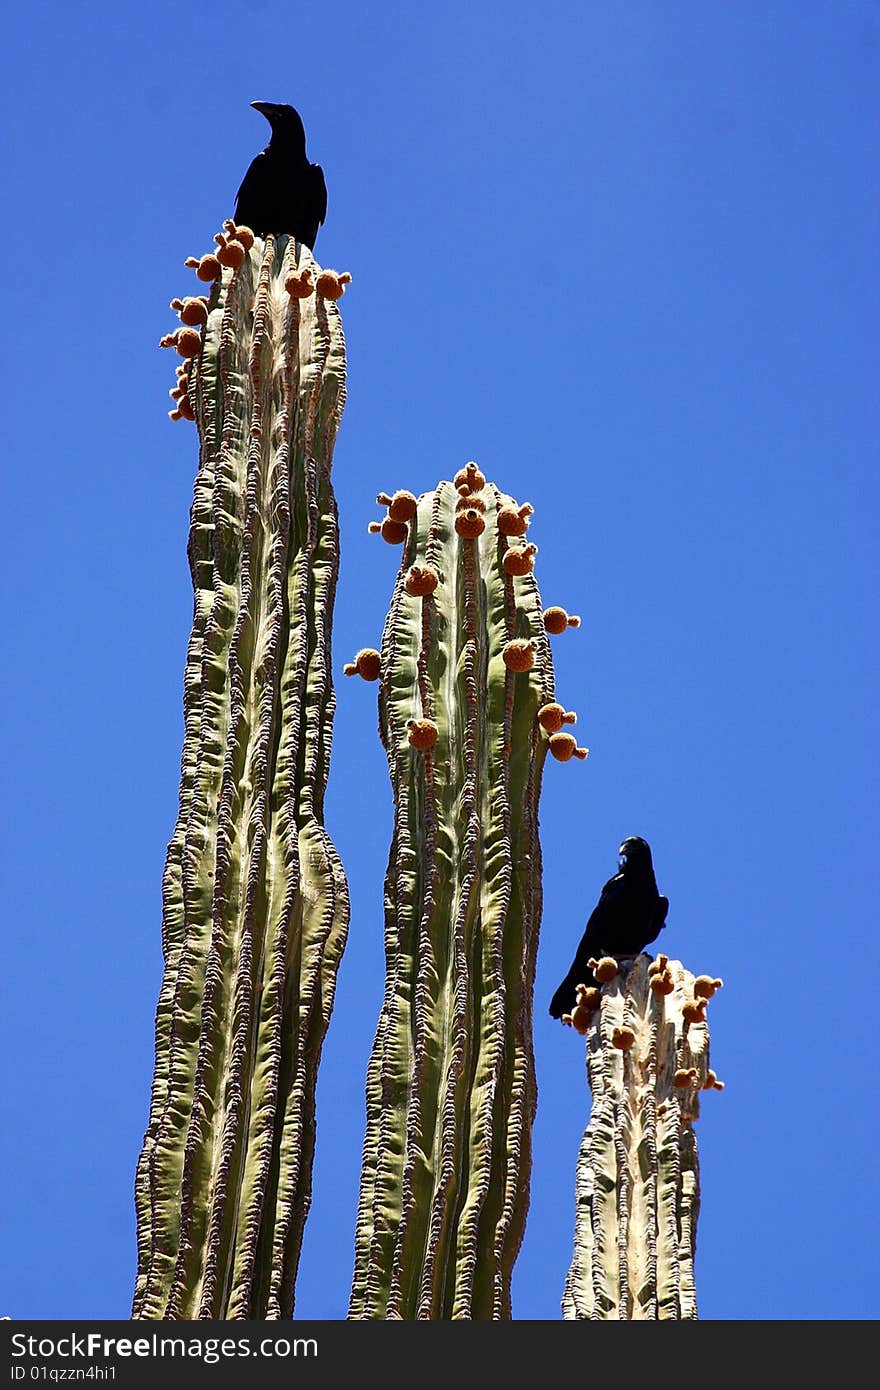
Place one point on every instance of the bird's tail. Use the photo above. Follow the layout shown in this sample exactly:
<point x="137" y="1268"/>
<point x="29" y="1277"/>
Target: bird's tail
<point x="565" y="997"/>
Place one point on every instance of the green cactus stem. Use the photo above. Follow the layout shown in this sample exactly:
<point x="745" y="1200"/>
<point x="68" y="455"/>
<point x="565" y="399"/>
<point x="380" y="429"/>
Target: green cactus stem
<point x="451" y="1083"/>
<point x="637" y="1186"/>
<point x="255" y="903"/>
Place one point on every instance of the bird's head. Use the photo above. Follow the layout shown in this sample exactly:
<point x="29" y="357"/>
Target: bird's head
<point x="634" y="851"/>
<point x="285" y="120"/>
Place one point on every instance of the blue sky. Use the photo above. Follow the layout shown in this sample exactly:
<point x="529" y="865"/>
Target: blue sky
<point x="624" y="255"/>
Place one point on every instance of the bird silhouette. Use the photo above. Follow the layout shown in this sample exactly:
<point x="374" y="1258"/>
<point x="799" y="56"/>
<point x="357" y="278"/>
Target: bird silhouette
<point x="282" y="192"/>
<point x="629" y="914"/>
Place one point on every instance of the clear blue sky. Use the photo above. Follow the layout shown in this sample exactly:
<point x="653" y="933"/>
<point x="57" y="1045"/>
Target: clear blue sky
<point x="624" y="255"/>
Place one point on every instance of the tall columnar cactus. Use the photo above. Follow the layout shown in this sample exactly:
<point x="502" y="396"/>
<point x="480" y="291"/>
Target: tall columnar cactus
<point x="465" y="669"/>
<point x="638" y="1192"/>
<point x="255" y="903"/>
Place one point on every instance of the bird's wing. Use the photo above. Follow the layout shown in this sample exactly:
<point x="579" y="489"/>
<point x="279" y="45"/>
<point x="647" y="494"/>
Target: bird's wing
<point x="253" y="186"/>
<point x="319" y="192"/>
<point x="658" y="919"/>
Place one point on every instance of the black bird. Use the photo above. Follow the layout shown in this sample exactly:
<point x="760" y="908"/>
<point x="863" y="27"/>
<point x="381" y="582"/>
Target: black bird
<point x="282" y="192"/>
<point x="630" y="913"/>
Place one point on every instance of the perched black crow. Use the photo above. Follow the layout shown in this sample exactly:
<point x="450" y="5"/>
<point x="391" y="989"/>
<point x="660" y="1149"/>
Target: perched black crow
<point x="630" y="913"/>
<point x="281" y="191"/>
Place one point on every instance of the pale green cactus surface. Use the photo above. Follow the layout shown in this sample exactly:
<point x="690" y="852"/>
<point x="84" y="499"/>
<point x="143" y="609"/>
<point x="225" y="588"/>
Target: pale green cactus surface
<point x="255" y="903"/>
<point x="637" y="1184"/>
<point x="451" y="1084"/>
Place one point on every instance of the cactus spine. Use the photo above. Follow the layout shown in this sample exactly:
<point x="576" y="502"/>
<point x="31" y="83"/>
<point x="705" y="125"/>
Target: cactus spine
<point x="465" y="666"/>
<point x="255" y="903"/>
<point x="637" y="1186"/>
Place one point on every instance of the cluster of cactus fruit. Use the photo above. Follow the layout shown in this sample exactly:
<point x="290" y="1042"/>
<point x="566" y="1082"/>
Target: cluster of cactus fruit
<point x="637" y="1184"/>
<point x="232" y="247"/>
<point x="255" y="903"/>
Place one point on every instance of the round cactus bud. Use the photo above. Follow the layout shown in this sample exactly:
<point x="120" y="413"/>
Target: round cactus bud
<point x="551" y="717"/>
<point x="705" y="986"/>
<point x="662" y="982"/>
<point x="556" y="620"/>
<point x="694" y="1011"/>
<point x="564" y="748"/>
<point x="421" y="580"/>
<point x="470" y="523"/>
<point x="513" y="521"/>
<point x="604" y="969"/>
<point x="519" y="655"/>
<point x="422" y="733"/>
<point x="623" y="1038"/>
<point x="331" y="285"/>
<point x="659" y="964"/>
<point x="401" y="507"/>
<point x="208" y="268"/>
<point x="520" y="560"/>
<point x="685" y="1076"/>
<point x="186" y="409"/>
<point x="580" y="1019"/>
<point x="193" y="310"/>
<point x="188" y="341"/>
<point x="469" y="499"/>
<point x="394" y="532"/>
<point x="242" y="234"/>
<point x="232" y="254"/>
<point x="470" y="477"/>
<point x="367" y="664"/>
<point x="589" y="997"/>
<point x="299" y="283"/>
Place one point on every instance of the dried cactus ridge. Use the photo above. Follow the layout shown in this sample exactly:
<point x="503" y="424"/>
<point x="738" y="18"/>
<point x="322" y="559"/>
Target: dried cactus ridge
<point x="255" y="902"/>
<point x="451" y="1084"/>
<point x="637" y="1183"/>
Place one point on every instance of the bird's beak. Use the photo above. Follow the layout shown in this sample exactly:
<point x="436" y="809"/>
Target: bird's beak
<point x="264" y="107"/>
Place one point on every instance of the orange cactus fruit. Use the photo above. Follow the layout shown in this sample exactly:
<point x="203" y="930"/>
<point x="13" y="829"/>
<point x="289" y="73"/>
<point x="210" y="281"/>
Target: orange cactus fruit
<point x="694" y="1011"/>
<point x="603" y="969"/>
<point x="192" y="310"/>
<point x="331" y="285"/>
<point x="519" y="654"/>
<point x="470" y="523"/>
<point x="556" y="620"/>
<point x="394" y="532"/>
<point x="623" y="1038"/>
<point x="470" y="477"/>
<point x="401" y="506"/>
<point x="469" y="499"/>
<point x="232" y="254"/>
<point x="520" y="559"/>
<point x="242" y="234"/>
<point x="514" y="521"/>
<point x="589" y="997"/>
<point x="659" y="964"/>
<point x="367" y="664"/>
<point x="207" y="269"/>
<point x="580" y="1019"/>
<point x="422" y="733"/>
<point x="705" y="986"/>
<point x="551" y="717"/>
<point x="685" y="1076"/>
<point x="186" y="409"/>
<point x="421" y="580"/>
<point x="564" y="748"/>
<point x="662" y="982"/>
<point x="188" y="341"/>
<point x="299" y="283"/>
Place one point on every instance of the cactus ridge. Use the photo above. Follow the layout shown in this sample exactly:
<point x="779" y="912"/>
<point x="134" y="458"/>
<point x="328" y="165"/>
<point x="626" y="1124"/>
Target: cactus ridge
<point x="637" y="1185"/>
<point x="451" y="1086"/>
<point x="255" y="903"/>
